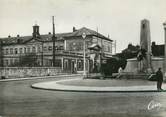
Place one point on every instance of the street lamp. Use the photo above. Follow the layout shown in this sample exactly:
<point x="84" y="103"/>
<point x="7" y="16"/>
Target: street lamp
<point x="84" y="36"/>
<point x="42" y="55"/>
<point x="164" y="24"/>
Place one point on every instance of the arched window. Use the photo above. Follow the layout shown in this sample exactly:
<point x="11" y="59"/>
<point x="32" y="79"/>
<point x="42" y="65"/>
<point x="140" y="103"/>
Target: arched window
<point x="33" y="49"/>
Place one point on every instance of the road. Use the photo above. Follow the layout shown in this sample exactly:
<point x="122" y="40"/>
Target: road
<point x="18" y="99"/>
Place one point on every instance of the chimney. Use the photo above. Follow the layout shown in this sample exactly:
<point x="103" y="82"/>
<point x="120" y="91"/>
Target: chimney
<point x="36" y="31"/>
<point x="153" y="43"/>
<point x="18" y="35"/>
<point x="74" y="29"/>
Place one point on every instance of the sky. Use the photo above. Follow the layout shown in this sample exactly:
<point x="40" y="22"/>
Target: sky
<point x="118" y="18"/>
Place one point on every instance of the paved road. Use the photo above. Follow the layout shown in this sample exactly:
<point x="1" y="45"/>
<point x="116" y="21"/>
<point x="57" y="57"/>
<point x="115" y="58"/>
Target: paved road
<point x="18" y="99"/>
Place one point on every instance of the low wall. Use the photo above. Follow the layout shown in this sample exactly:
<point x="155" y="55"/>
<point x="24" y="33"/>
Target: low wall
<point x="133" y="65"/>
<point x="10" y="72"/>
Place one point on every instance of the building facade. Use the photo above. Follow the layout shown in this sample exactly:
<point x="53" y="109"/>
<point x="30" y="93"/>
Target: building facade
<point x="37" y="50"/>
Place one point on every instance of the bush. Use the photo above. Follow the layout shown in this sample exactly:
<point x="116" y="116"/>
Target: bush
<point x="3" y="77"/>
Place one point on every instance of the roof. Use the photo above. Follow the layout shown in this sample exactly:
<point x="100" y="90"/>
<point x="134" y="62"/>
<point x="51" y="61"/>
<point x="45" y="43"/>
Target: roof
<point x="88" y="32"/>
<point x="59" y="36"/>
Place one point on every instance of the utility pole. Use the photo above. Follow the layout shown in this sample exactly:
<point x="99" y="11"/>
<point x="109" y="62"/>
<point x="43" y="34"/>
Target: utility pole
<point x="97" y="36"/>
<point x="115" y="45"/>
<point x="84" y="54"/>
<point x="42" y="55"/>
<point x="164" y="24"/>
<point x="53" y="39"/>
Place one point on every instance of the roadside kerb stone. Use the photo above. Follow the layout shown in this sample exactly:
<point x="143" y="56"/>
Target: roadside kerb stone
<point x="58" y="86"/>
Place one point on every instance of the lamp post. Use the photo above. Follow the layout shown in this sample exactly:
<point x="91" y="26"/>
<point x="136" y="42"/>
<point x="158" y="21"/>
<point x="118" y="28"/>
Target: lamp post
<point x="84" y="73"/>
<point x="42" y="55"/>
<point x="164" y="24"/>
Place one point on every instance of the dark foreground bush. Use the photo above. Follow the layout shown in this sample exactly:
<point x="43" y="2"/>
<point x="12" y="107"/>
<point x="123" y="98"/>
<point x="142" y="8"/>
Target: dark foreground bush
<point x="2" y="77"/>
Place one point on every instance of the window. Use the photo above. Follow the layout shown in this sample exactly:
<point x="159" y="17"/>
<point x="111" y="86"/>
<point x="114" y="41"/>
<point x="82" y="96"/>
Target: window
<point x="11" y="50"/>
<point x="80" y="65"/>
<point x="15" y="51"/>
<point x="45" y="48"/>
<point x="6" y="62"/>
<point x="20" y="50"/>
<point x="109" y="50"/>
<point x="16" y="61"/>
<point x="56" y="47"/>
<point x="28" y="50"/>
<point x="39" y="49"/>
<point x="33" y="49"/>
<point x="7" y="51"/>
<point x="25" y="50"/>
<point x="11" y="61"/>
<point x="50" y="48"/>
<point x="59" y="48"/>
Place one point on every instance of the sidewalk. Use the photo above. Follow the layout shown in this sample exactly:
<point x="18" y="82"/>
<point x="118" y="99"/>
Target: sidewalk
<point x="62" y="86"/>
<point x="40" y="77"/>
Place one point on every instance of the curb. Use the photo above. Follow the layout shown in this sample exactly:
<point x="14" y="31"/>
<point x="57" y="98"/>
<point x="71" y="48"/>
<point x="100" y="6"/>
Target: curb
<point x="55" y="86"/>
<point x="118" y="91"/>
